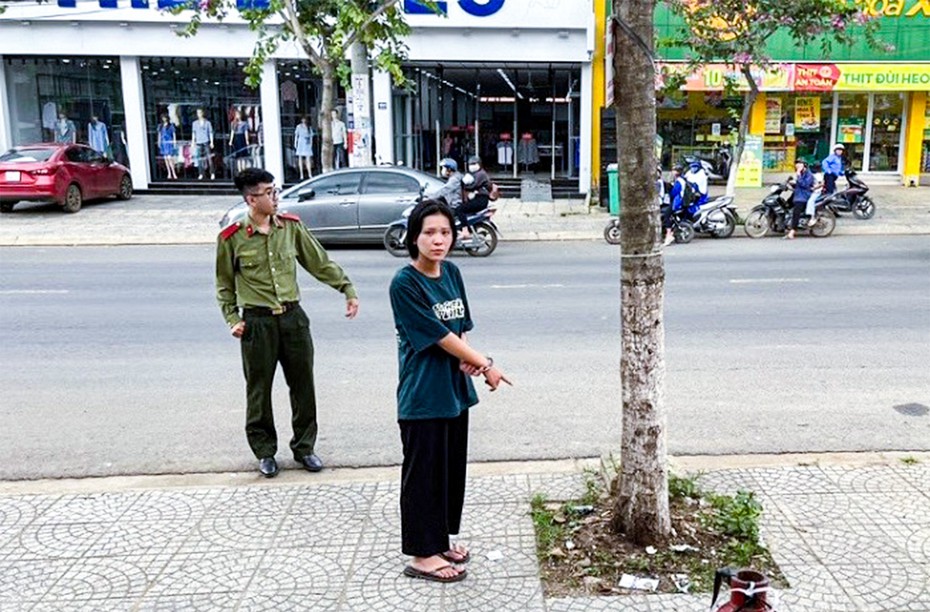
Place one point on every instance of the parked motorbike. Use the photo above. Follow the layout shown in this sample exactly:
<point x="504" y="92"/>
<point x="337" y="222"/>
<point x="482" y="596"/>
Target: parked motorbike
<point x="853" y="198"/>
<point x="717" y="217"/>
<point x="774" y="214"/>
<point x="682" y="229"/>
<point x="481" y="243"/>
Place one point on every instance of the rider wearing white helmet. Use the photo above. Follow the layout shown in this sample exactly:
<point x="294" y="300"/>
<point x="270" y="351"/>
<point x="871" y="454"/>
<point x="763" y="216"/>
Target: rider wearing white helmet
<point x="833" y="167"/>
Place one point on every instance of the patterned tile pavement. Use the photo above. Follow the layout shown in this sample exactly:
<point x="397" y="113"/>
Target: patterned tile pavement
<point x="847" y="538"/>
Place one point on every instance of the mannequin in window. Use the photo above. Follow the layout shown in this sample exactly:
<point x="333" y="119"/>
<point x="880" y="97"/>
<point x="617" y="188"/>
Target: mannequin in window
<point x="239" y="141"/>
<point x="202" y="132"/>
<point x="98" y="138"/>
<point x="65" y="132"/>
<point x="168" y="145"/>
<point x="339" y="140"/>
<point x="303" y="144"/>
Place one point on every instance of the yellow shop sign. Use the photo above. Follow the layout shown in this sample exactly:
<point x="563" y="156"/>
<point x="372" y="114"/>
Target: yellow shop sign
<point x="883" y="77"/>
<point x="895" y="8"/>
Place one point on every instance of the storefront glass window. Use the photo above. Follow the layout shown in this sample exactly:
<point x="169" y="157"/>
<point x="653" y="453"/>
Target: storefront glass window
<point x="299" y="93"/>
<point x="885" y="146"/>
<point x="808" y="127"/>
<point x="852" y="115"/>
<point x="696" y="123"/>
<point x="57" y="98"/>
<point x="203" y="121"/>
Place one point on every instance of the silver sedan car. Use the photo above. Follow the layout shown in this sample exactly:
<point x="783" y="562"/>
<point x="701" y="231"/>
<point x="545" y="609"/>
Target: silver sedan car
<point x="351" y="205"/>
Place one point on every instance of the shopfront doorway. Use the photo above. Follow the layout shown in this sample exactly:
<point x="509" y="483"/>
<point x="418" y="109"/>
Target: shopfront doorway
<point x="521" y="119"/>
<point x="871" y="127"/>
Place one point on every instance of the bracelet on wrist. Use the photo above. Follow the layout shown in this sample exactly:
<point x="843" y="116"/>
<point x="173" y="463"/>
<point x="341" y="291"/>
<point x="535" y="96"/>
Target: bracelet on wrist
<point x="487" y="367"/>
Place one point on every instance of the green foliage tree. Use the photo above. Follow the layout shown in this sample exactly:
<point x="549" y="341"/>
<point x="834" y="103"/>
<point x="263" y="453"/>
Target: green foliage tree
<point x="324" y="30"/>
<point x="737" y="32"/>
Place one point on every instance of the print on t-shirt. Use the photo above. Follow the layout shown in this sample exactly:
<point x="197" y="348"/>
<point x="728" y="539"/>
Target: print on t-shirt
<point x="447" y="311"/>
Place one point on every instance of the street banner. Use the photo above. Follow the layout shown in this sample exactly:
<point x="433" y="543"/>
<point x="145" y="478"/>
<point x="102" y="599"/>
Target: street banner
<point x="807" y="114"/>
<point x="773" y="115"/>
<point x="805" y="77"/>
<point x="749" y="173"/>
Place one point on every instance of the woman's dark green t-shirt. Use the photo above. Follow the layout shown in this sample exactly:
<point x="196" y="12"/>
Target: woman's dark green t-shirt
<point x="426" y="309"/>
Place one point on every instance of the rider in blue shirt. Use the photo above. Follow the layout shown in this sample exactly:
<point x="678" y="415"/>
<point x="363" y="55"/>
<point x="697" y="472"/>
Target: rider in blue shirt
<point x="699" y="181"/>
<point x="675" y="201"/>
<point x="833" y="166"/>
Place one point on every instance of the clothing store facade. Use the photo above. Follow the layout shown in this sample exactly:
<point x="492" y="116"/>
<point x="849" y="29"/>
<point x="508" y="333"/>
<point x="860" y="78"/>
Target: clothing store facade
<point x="489" y="73"/>
<point x="873" y="102"/>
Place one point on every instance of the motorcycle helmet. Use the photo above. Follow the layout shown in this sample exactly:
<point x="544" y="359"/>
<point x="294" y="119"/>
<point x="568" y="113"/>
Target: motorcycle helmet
<point x="679" y="169"/>
<point x="449" y="163"/>
<point x="474" y="159"/>
<point x="839" y="146"/>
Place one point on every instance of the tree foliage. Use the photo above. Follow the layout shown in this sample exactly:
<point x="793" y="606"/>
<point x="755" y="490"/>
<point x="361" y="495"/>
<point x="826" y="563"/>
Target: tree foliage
<point x="737" y="32"/>
<point x="324" y="30"/>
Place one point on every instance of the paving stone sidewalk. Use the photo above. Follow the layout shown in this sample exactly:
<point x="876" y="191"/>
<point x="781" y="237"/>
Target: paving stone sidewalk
<point x="848" y="538"/>
<point x="148" y="219"/>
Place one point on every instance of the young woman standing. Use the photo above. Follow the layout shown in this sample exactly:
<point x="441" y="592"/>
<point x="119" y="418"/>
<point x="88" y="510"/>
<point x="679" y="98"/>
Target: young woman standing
<point x="434" y="394"/>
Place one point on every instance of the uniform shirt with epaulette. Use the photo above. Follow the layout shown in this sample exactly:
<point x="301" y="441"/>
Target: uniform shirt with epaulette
<point x="260" y="270"/>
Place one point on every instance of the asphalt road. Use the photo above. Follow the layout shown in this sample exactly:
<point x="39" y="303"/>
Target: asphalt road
<point x="116" y="360"/>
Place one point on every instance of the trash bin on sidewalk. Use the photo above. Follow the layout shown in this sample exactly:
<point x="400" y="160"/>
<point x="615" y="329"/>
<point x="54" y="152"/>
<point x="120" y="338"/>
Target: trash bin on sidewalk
<point x="613" y="189"/>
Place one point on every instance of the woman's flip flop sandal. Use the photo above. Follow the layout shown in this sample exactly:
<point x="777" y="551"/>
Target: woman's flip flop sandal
<point x="433" y="575"/>
<point x="463" y="559"/>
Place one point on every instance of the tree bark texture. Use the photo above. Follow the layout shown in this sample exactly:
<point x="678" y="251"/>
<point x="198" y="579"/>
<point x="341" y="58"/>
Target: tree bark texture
<point x="328" y="73"/>
<point x="641" y="505"/>
<point x="749" y="100"/>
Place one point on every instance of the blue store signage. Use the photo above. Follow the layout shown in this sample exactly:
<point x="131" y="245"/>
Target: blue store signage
<point x="478" y="8"/>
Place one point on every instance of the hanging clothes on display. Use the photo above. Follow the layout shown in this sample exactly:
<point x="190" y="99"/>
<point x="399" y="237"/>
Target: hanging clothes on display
<point x="504" y="153"/>
<point x="49" y="115"/>
<point x="98" y="138"/>
<point x="527" y="151"/>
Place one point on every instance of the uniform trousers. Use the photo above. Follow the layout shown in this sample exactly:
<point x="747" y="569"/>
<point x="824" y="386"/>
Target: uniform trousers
<point x="432" y="489"/>
<point x="267" y="341"/>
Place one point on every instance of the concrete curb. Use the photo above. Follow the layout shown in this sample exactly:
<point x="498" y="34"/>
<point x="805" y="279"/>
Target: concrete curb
<point x="289" y="477"/>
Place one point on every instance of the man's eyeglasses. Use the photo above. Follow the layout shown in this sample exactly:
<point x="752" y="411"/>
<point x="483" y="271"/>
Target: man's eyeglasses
<point x="271" y="192"/>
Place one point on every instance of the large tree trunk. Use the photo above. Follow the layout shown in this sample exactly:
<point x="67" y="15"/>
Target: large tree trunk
<point x="749" y="100"/>
<point x="328" y="72"/>
<point x="641" y="505"/>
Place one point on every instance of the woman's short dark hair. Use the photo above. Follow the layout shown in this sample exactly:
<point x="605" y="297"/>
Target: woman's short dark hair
<point x="415" y="223"/>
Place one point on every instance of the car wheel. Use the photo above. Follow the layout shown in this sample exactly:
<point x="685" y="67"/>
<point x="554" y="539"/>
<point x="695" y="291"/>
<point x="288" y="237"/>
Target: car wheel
<point x="7" y="206"/>
<point x="125" y="188"/>
<point x="73" y="198"/>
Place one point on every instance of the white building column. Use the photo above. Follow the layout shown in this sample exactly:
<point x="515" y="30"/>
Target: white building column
<point x="586" y="128"/>
<point x="6" y="134"/>
<point x="383" y="96"/>
<point x="271" y="121"/>
<point x="137" y="145"/>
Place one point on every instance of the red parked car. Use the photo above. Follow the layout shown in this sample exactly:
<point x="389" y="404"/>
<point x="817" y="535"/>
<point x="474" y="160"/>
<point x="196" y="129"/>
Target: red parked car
<point x="65" y="174"/>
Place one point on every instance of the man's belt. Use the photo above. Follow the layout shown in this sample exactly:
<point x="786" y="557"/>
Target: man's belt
<point x="263" y="311"/>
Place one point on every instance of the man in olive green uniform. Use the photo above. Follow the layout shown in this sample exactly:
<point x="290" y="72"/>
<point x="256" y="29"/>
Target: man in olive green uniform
<point x="256" y="286"/>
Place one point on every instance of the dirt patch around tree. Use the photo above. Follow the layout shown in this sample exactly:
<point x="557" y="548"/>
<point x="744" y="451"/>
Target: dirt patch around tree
<point x="580" y="554"/>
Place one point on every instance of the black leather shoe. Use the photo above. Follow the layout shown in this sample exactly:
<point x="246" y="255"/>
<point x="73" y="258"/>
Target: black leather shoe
<point x="268" y="467"/>
<point x="311" y="463"/>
